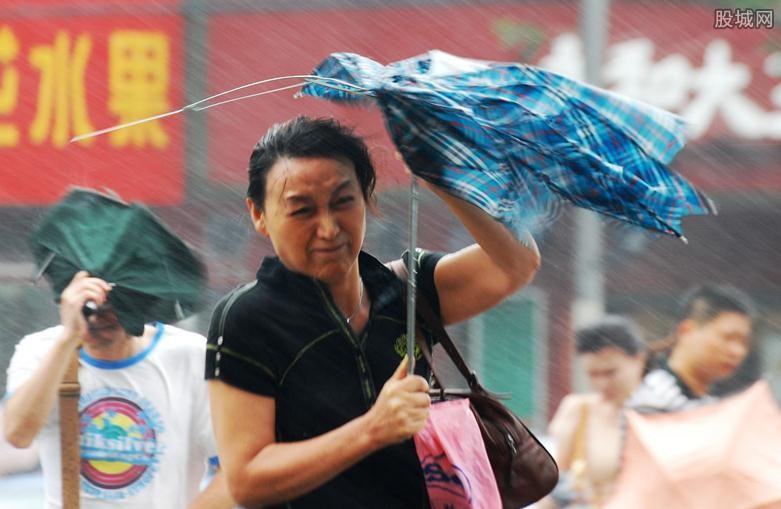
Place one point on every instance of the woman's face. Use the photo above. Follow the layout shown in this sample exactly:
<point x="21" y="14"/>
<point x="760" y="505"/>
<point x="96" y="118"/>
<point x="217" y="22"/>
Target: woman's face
<point x="612" y="372"/>
<point x="314" y="215"/>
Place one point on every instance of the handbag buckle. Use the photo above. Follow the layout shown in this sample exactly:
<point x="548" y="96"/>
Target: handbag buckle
<point x="511" y="443"/>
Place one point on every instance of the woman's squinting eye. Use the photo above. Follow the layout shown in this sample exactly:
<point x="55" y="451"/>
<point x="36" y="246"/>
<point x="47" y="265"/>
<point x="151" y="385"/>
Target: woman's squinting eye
<point x="344" y="200"/>
<point x="301" y="211"/>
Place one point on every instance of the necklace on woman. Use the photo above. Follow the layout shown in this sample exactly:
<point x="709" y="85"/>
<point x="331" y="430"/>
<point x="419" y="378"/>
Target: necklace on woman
<point x="358" y="307"/>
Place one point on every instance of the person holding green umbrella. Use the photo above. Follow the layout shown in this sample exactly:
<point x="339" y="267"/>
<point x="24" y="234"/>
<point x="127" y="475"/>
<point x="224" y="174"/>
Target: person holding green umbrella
<point x="145" y="437"/>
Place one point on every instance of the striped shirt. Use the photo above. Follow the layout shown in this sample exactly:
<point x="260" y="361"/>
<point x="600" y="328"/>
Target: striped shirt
<point x="663" y="391"/>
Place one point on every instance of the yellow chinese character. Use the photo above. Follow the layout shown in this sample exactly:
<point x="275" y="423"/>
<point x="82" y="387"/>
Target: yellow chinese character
<point x="138" y="83"/>
<point x="61" y="91"/>
<point x="9" y="85"/>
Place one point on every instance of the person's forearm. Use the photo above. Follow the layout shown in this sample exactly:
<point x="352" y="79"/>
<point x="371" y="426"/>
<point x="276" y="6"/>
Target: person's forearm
<point x="519" y="259"/>
<point x="283" y="471"/>
<point x="29" y="406"/>
<point x="214" y="496"/>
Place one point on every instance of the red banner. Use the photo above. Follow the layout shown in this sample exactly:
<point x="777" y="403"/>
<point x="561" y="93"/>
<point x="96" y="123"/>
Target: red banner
<point x="64" y="76"/>
<point x="248" y="47"/>
<point x="724" y="79"/>
<point x="23" y="6"/>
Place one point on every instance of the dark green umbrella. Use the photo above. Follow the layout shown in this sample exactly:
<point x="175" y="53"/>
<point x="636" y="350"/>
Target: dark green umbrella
<point x="155" y="275"/>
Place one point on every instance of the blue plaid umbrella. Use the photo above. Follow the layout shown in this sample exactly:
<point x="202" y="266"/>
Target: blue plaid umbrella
<point x="517" y="141"/>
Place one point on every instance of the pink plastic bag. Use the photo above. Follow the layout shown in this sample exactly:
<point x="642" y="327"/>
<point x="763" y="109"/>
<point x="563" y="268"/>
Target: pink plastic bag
<point x="455" y="465"/>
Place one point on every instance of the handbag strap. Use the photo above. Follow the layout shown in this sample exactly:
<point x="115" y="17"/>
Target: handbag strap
<point x="579" y="447"/>
<point x="426" y="351"/>
<point x="69" y="392"/>
<point x="435" y="326"/>
<point x="229" y="300"/>
<point x="579" y="462"/>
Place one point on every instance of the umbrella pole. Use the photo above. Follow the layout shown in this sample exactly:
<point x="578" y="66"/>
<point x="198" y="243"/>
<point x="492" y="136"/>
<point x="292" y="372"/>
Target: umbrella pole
<point x="411" y="271"/>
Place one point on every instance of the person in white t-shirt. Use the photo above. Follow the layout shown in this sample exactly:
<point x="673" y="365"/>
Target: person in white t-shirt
<point x="146" y="436"/>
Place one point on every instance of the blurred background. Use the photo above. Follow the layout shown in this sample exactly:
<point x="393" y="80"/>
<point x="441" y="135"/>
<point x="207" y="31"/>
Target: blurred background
<point x="72" y="66"/>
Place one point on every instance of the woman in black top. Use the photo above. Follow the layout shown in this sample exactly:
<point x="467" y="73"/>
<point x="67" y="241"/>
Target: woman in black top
<point x="310" y="399"/>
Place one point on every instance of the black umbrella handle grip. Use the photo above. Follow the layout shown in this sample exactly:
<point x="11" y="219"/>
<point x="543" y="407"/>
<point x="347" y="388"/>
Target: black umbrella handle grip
<point x="89" y="309"/>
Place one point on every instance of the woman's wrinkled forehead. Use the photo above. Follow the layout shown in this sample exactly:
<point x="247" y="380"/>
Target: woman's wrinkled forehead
<point x="289" y="178"/>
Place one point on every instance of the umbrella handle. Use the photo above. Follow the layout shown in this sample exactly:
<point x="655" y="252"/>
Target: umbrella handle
<point x="91" y="307"/>
<point x="412" y="272"/>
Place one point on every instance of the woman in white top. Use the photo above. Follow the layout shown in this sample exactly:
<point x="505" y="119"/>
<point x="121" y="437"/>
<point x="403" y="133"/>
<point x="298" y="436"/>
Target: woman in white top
<point x="587" y="428"/>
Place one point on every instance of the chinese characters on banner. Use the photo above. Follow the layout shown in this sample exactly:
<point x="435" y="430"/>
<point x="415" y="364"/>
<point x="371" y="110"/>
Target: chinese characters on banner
<point x="712" y="91"/>
<point x="63" y="77"/>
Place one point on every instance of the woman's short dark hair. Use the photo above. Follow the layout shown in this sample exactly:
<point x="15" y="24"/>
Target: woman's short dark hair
<point x="612" y="331"/>
<point x="308" y="137"/>
<point x="704" y="303"/>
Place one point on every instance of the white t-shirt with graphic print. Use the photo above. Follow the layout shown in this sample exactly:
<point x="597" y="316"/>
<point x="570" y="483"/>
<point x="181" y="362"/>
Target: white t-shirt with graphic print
<point x="146" y="434"/>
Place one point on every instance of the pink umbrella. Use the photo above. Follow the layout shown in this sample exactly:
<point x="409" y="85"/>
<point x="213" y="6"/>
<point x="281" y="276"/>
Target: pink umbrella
<point x="721" y="456"/>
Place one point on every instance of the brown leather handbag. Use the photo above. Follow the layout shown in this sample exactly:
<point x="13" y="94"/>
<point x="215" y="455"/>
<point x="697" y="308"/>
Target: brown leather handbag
<point x="524" y="470"/>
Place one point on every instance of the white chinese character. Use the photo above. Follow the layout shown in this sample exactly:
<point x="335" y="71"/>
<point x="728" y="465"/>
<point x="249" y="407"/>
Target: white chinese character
<point x="566" y="57"/>
<point x="723" y="18"/>
<point x="631" y="70"/>
<point x="628" y="67"/>
<point x="744" y="18"/>
<point x="764" y="18"/>
<point x="772" y="67"/>
<point x="772" y="64"/>
<point x="717" y="88"/>
<point x="669" y="82"/>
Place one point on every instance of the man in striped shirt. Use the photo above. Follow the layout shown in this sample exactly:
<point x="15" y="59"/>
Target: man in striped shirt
<point x="711" y="340"/>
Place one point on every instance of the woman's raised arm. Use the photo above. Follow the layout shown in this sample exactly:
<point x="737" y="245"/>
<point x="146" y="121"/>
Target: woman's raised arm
<point x="480" y="276"/>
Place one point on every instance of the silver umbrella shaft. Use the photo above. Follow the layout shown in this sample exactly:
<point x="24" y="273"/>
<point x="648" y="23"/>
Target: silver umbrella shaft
<point x="411" y="271"/>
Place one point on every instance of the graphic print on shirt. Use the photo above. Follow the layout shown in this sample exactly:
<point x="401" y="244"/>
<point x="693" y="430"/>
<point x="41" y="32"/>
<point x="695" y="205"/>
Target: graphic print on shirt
<point x="120" y="442"/>
<point x="400" y="346"/>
